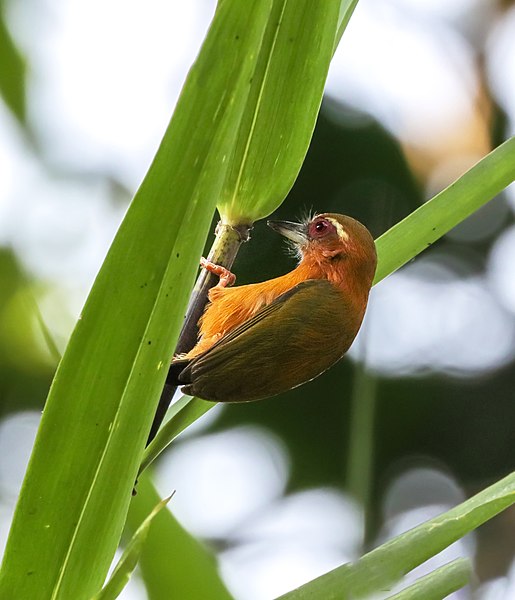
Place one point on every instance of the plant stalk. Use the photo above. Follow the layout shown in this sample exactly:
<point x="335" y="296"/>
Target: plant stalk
<point x="228" y="239"/>
<point x="361" y="441"/>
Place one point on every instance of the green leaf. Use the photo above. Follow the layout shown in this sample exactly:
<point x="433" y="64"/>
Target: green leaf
<point x="346" y="11"/>
<point x="181" y="415"/>
<point x="383" y="567"/>
<point x="275" y="132"/>
<point x="173" y="563"/>
<point x="129" y="559"/>
<point x="77" y="489"/>
<point x="438" y="584"/>
<point x="453" y="205"/>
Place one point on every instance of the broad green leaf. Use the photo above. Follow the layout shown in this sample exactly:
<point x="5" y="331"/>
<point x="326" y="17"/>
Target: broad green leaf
<point x="78" y="485"/>
<point x="438" y="584"/>
<point x="274" y="137"/>
<point x="77" y="489"/>
<point x="453" y="205"/>
<point x="129" y="559"/>
<point x="383" y="567"/>
<point x="173" y="563"/>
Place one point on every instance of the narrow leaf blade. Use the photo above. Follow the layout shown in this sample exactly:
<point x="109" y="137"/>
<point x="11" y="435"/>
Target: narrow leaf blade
<point x="383" y="567"/>
<point x="439" y="584"/>
<point x="129" y="559"/>
<point x="453" y="205"/>
<point x="284" y="100"/>
<point x="78" y="485"/>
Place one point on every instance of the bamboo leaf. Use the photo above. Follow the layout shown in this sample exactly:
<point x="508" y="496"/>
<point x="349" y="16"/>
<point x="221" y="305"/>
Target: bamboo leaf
<point x="274" y="136"/>
<point x="129" y="559"/>
<point x="453" y="205"/>
<point x="383" y="567"/>
<point x="78" y="485"/>
<point x="439" y="584"/>
<point x="77" y="489"/>
<point x="346" y="11"/>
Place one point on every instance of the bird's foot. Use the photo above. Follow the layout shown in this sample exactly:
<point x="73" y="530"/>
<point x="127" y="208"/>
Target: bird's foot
<point x="226" y="277"/>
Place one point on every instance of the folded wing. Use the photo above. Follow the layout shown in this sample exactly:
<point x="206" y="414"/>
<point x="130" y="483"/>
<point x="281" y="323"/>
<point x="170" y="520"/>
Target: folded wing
<point x="288" y="342"/>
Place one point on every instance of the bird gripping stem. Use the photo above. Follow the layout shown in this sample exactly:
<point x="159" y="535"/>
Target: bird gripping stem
<point x="228" y="239"/>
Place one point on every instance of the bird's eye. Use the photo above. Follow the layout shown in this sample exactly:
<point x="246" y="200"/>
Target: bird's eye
<point x="320" y="228"/>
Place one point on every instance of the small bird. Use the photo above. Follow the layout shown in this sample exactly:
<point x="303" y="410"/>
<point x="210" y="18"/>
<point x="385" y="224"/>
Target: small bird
<point x="258" y="340"/>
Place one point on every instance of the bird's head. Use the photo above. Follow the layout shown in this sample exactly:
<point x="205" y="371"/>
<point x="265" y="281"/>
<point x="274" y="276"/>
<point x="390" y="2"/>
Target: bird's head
<point x="330" y="239"/>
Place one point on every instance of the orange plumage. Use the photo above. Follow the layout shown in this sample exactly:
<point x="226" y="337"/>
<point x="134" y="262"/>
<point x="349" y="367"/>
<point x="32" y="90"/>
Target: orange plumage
<point x="261" y="339"/>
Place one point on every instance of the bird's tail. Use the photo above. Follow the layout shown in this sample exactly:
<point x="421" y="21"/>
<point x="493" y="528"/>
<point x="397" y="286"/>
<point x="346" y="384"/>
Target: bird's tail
<point x="174" y="371"/>
<point x="170" y="387"/>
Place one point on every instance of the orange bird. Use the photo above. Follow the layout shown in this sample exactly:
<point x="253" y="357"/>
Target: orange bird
<point x="262" y="339"/>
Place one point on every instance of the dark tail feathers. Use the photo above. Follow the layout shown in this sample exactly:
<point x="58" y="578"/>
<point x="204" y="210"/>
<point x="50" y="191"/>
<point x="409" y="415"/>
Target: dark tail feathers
<point x="174" y="372"/>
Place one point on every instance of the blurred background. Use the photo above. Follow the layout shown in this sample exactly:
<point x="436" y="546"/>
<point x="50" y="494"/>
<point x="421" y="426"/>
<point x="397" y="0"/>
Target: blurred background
<point x="420" y="415"/>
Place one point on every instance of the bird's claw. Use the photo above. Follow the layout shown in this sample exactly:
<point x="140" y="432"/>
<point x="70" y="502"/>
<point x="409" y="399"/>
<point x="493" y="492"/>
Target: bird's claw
<point x="226" y="277"/>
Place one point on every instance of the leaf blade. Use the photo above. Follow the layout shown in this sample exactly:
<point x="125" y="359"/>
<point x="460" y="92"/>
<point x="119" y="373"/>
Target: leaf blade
<point x="439" y="583"/>
<point x="77" y="489"/>
<point x="173" y="563"/>
<point x="129" y="559"/>
<point x="300" y="38"/>
<point x="383" y="567"/>
<point x="437" y="216"/>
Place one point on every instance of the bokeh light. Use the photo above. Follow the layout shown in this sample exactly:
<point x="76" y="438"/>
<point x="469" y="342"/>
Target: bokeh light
<point x="221" y="479"/>
<point x="298" y="538"/>
<point x="428" y="318"/>
<point x="17" y="433"/>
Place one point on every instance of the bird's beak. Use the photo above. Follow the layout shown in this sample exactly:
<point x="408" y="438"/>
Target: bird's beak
<point x="296" y="232"/>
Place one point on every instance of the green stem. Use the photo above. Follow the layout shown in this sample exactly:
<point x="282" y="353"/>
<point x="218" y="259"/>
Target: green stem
<point x="361" y="440"/>
<point x="228" y="239"/>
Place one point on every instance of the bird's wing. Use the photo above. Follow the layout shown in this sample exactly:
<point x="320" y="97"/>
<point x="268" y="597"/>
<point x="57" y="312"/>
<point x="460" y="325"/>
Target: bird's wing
<point x="178" y="365"/>
<point x="289" y="341"/>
